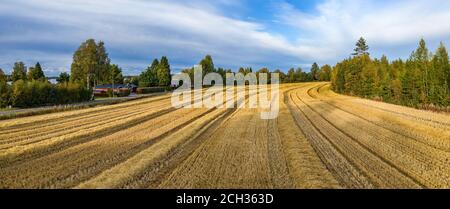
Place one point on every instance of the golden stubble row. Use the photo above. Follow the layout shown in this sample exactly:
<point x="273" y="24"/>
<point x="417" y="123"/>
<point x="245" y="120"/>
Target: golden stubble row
<point x="304" y="165"/>
<point x="74" y="164"/>
<point x="35" y="134"/>
<point x="439" y="120"/>
<point x="421" y="131"/>
<point x="11" y="124"/>
<point x="151" y="157"/>
<point x="380" y="173"/>
<point x="76" y="134"/>
<point x="426" y="165"/>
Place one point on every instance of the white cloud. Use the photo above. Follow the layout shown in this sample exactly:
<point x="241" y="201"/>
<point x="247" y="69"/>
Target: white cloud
<point x="136" y="31"/>
<point x="158" y="27"/>
<point x="337" y="24"/>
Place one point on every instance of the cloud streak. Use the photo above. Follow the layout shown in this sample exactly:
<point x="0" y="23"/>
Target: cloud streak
<point x="336" y="24"/>
<point x="136" y="31"/>
<point x="142" y="28"/>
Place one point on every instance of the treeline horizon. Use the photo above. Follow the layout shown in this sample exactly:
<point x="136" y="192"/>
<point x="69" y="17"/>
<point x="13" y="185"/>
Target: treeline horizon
<point x="293" y="75"/>
<point x="422" y="81"/>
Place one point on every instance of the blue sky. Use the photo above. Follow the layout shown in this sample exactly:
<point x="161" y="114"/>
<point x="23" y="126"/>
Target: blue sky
<point x="278" y="34"/>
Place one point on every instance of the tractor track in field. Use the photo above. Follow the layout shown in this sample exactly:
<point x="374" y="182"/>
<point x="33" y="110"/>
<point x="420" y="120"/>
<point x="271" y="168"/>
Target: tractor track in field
<point x="374" y="123"/>
<point x="233" y="152"/>
<point x="343" y="170"/>
<point x="39" y="151"/>
<point x="38" y="135"/>
<point x="71" y="116"/>
<point x="437" y="123"/>
<point x="393" y="165"/>
<point x="36" y="153"/>
<point x="152" y="172"/>
<point x="154" y="175"/>
<point x="279" y="170"/>
<point x="156" y="180"/>
<point x="97" y="165"/>
<point x="319" y="140"/>
<point x="422" y="162"/>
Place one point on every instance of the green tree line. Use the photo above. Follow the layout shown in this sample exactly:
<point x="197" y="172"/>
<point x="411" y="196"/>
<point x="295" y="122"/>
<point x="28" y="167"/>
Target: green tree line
<point x="293" y="75"/>
<point x="423" y="80"/>
<point x="157" y="74"/>
<point x="30" y="88"/>
<point x="91" y="66"/>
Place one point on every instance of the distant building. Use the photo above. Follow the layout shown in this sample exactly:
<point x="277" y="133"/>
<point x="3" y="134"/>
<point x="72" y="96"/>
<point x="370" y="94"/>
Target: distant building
<point x="103" y="89"/>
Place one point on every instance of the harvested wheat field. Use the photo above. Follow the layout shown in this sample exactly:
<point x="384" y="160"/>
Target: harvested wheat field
<point x="319" y="140"/>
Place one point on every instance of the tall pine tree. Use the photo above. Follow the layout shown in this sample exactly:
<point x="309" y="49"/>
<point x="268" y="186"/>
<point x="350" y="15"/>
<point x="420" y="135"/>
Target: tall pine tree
<point x="149" y="76"/>
<point x="420" y="59"/>
<point x="361" y="48"/>
<point x="325" y="73"/>
<point x="291" y="76"/>
<point x="437" y="77"/>
<point x="163" y="72"/>
<point x="63" y="78"/>
<point x="19" y="72"/>
<point x="115" y="74"/>
<point x="4" y="96"/>
<point x="383" y="87"/>
<point x="315" y="72"/>
<point x="36" y="73"/>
